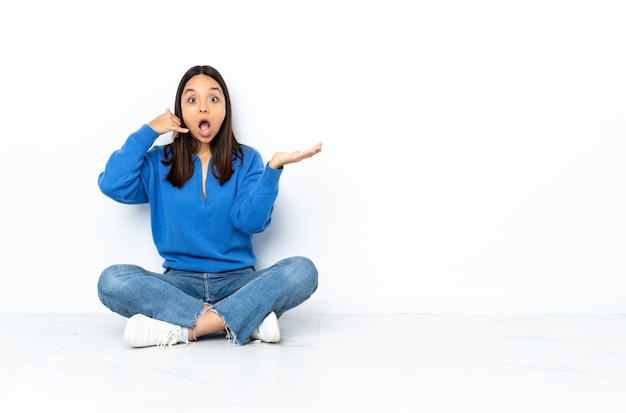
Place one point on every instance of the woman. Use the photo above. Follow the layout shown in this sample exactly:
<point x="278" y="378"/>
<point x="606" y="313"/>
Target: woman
<point x="208" y="195"/>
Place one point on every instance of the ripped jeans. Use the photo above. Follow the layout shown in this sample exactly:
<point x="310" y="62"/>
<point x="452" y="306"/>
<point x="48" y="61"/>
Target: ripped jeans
<point x="242" y="297"/>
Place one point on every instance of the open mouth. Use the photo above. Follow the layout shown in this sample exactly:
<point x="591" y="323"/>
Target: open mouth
<point x="204" y="125"/>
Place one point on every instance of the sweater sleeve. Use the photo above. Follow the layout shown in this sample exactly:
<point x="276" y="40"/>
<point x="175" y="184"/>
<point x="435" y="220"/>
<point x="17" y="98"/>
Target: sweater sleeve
<point x="254" y="204"/>
<point x="122" y="178"/>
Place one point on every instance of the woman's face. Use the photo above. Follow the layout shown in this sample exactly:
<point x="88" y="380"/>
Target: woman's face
<point x="203" y="107"/>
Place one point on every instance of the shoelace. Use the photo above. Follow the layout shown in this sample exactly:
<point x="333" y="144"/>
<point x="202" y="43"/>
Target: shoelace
<point x="164" y="337"/>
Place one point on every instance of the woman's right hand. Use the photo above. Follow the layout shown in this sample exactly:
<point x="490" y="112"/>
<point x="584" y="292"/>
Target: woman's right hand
<point x="167" y="122"/>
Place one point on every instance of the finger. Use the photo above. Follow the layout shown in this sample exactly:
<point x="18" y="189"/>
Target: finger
<point x="171" y="115"/>
<point x="314" y="150"/>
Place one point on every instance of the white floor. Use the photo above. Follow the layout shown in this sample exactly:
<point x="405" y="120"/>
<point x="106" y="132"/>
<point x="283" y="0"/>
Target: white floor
<point x="324" y="363"/>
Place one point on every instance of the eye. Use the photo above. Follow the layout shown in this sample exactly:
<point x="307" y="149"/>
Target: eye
<point x="214" y="99"/>
<point x="191" y="100"/>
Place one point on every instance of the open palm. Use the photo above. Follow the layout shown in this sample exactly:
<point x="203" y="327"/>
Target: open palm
<point x="282" y="158"/>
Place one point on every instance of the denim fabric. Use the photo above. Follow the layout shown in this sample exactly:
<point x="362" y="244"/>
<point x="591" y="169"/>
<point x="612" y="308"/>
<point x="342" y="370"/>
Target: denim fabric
<point x="242" y="298"/>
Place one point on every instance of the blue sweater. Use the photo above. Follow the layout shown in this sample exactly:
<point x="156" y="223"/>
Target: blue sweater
<point x="192" y="233"/>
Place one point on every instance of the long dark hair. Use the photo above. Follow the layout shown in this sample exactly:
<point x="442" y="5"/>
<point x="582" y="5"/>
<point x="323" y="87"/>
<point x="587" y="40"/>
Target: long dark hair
<point x="224" y="147"/>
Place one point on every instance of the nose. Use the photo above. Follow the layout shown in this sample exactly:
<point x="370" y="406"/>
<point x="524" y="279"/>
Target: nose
<point x="204" y="108"/>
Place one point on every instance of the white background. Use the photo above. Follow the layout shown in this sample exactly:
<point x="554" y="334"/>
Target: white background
<point x="473" y="155"/>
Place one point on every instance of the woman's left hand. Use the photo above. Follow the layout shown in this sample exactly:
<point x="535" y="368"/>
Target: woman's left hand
<point x="281" y="158"/>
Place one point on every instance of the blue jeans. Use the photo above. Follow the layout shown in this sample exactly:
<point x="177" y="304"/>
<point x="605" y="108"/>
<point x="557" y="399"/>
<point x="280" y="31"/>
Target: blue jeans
<point x="242" y="297"/>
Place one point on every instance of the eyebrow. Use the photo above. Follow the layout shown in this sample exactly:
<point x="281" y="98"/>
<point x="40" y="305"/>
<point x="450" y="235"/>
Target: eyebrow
<point x="194" y="90"/>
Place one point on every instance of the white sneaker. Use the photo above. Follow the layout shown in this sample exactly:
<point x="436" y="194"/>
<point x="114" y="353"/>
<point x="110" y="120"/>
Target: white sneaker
<point x="268" y="330"/>
<point x="143" y="331"/>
